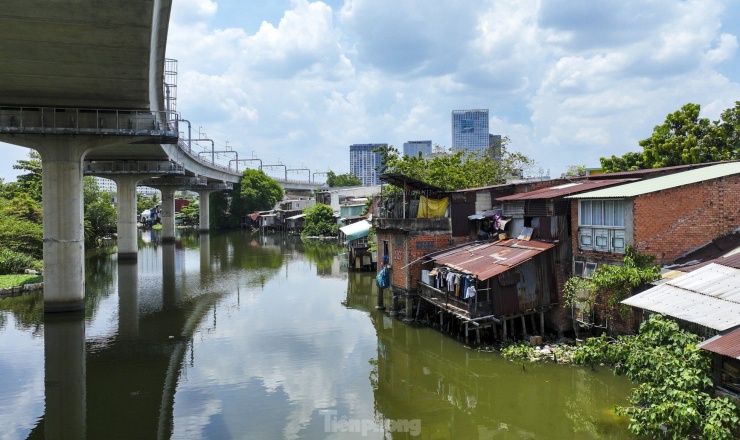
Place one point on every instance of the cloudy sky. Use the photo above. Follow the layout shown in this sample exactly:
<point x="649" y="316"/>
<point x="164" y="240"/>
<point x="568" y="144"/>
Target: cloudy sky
<point x="568" y="81"/>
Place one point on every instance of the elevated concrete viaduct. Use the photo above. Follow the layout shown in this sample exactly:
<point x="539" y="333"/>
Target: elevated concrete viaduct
<point x="82" y="83"/>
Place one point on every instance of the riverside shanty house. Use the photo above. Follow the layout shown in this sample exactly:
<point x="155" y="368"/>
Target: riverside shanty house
<point x="681" y="210"/>
<point x="481" y="284"/>
<point x="411" y="220"/>
<point x="545" y="214"/>
<point x="435" y="260"/>
<point x="354" y="235"/>
<point x="705" y="301"/>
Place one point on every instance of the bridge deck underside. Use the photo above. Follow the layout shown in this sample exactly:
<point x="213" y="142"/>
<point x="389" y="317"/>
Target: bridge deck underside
<point x="84" y="53"/>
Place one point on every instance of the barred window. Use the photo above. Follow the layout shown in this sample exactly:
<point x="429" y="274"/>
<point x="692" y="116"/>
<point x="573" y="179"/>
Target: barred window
<point x="601" y="213"/>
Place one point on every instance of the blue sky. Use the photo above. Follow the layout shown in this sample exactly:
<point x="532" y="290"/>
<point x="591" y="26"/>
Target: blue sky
<point x="568" y="81"/>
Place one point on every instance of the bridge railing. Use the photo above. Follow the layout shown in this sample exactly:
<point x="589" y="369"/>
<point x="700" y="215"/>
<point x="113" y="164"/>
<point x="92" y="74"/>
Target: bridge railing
<point x="60" y="120"/>
<point x="183" y="145"/>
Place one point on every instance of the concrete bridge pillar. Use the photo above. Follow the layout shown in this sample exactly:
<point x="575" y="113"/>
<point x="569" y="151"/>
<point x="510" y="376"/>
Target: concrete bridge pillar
<point x="204" y="209"/>
<point x="168" y="214"/>
<point x="64" y="234"/>
<point x="128" y="245"/>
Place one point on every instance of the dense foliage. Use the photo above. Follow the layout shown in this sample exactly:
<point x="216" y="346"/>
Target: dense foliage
<point x="100" y="214"/>
<point x="674" y="396"/>
<point x="610" y="284"/>
<point x="320" y="221"/>
<point x="456" y="170"/>
<point x="684" y="138"/>
<point x="259" y="192"/>
<point x="347" y="179"/>
<point x="21" y="219"/>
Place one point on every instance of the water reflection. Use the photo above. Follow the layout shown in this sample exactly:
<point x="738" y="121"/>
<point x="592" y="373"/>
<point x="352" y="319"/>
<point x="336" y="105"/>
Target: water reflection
<point x="239" y="335"/>
<point x="65" y="381"/>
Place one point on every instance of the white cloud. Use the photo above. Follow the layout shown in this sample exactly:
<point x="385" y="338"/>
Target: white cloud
<point x="301" y="80"/>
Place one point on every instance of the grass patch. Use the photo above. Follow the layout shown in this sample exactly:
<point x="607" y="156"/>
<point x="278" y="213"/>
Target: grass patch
<point x="19" y="280"/>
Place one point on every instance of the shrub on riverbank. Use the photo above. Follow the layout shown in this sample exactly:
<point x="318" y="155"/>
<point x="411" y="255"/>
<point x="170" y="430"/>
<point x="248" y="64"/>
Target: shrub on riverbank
<point x="12" y="262"/>
<point x="674" y="398"/>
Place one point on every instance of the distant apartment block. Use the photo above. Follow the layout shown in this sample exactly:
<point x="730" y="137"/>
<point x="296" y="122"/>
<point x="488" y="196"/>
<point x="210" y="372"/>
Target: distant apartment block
<point x="470" y="130"/>
<point x="106" y="185"/>
<point x="413" y="148"/>
<point x="494" y="141"/>
<point x="363" y="163"/>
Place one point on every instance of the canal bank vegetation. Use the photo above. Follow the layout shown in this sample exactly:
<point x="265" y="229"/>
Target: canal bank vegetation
<point x="21" y="218"/>
<point x="674" y="394"/>
<point x="320" y="222"/>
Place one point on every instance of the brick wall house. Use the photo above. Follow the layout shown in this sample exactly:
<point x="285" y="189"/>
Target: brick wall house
<point x="666" y="216"/>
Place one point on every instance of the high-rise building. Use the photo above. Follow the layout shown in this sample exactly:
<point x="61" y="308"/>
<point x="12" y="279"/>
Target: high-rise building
<point x="470" y="130"/>
<point x="363" y="163"/>
<point x="413" y="148"/>
<point x="495" y="144"/>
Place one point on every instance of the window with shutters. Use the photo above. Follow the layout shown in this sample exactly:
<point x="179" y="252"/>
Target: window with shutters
<point x="601" y="225"/>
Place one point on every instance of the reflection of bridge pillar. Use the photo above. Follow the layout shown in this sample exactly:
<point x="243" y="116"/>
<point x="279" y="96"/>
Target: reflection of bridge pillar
<point x="128" y="299"/>
<point x="64" y="376"/>
<point x="205" y="255"/>
<point x="168" y="214"/>
<point x="170" y="297"/>
<point x="204" y="203"/>
<point x="126" y="209"/>
<point x="64" y="239"/>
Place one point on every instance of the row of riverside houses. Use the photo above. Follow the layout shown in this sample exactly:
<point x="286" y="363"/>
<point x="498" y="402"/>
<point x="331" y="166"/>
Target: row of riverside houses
<point x="494" y="260"/>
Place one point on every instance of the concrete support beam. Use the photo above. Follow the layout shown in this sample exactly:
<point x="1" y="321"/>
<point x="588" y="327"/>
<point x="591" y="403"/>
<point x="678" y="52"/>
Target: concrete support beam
<point x="168" y="214"/>
<point x="128" y="246"/>
<point x="64" y="235"/>
<point x="204" y="209"/>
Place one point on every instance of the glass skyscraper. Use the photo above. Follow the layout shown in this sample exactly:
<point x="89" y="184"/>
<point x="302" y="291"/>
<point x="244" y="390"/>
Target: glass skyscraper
<point x="413" y="148"/>
<point x="363" y="163"/>
<point x="470" y="130"/>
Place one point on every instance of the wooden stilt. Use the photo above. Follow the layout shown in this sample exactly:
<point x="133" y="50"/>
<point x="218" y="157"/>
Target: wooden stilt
<point x="531" y="321"/>
<point x="503" y="324"/>
<point x="524" y="326"/>
<point x="542" y="324"/>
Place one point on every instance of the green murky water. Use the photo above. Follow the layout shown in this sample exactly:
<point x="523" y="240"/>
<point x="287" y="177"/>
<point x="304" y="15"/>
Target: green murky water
<point x="243" y="336"/>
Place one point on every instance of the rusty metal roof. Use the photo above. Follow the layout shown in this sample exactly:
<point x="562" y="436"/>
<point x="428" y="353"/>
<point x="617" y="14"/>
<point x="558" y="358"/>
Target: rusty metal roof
<point x="490" y="259"/>
<point x="727" y="344"/>
<point x="564" y="190"/>
<point x="708" y="296"/>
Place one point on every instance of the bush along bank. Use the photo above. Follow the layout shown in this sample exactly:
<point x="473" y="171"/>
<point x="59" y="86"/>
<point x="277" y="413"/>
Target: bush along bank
<point x="674" y="397"/>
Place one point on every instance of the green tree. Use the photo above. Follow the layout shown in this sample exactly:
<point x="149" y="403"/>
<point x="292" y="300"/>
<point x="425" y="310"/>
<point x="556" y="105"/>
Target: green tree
<point x="674" y="398"/>
<point x="28" y="183"/>
<point x="611" y="283"/>
<point x="456" y="170"/>
<point x="100" y="214"/>
<point x="347" y="179"/>
<point x="259" y="192"/>
<point x="190" y="213"/>
<point x="320" y="221"/>
<point x="684" y="138"/>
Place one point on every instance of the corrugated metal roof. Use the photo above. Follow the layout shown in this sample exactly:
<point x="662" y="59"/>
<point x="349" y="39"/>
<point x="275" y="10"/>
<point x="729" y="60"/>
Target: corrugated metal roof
<point x="664" y="182"/>
<point x="709" y="296"/>
<point x="490" y="259"/>
<point x="564" y="190"/>
<point x="726" y="345"/>
<point x="356" y="230"/>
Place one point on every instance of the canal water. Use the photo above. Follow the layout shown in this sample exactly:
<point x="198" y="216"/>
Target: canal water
<point x="244" y="336"/>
